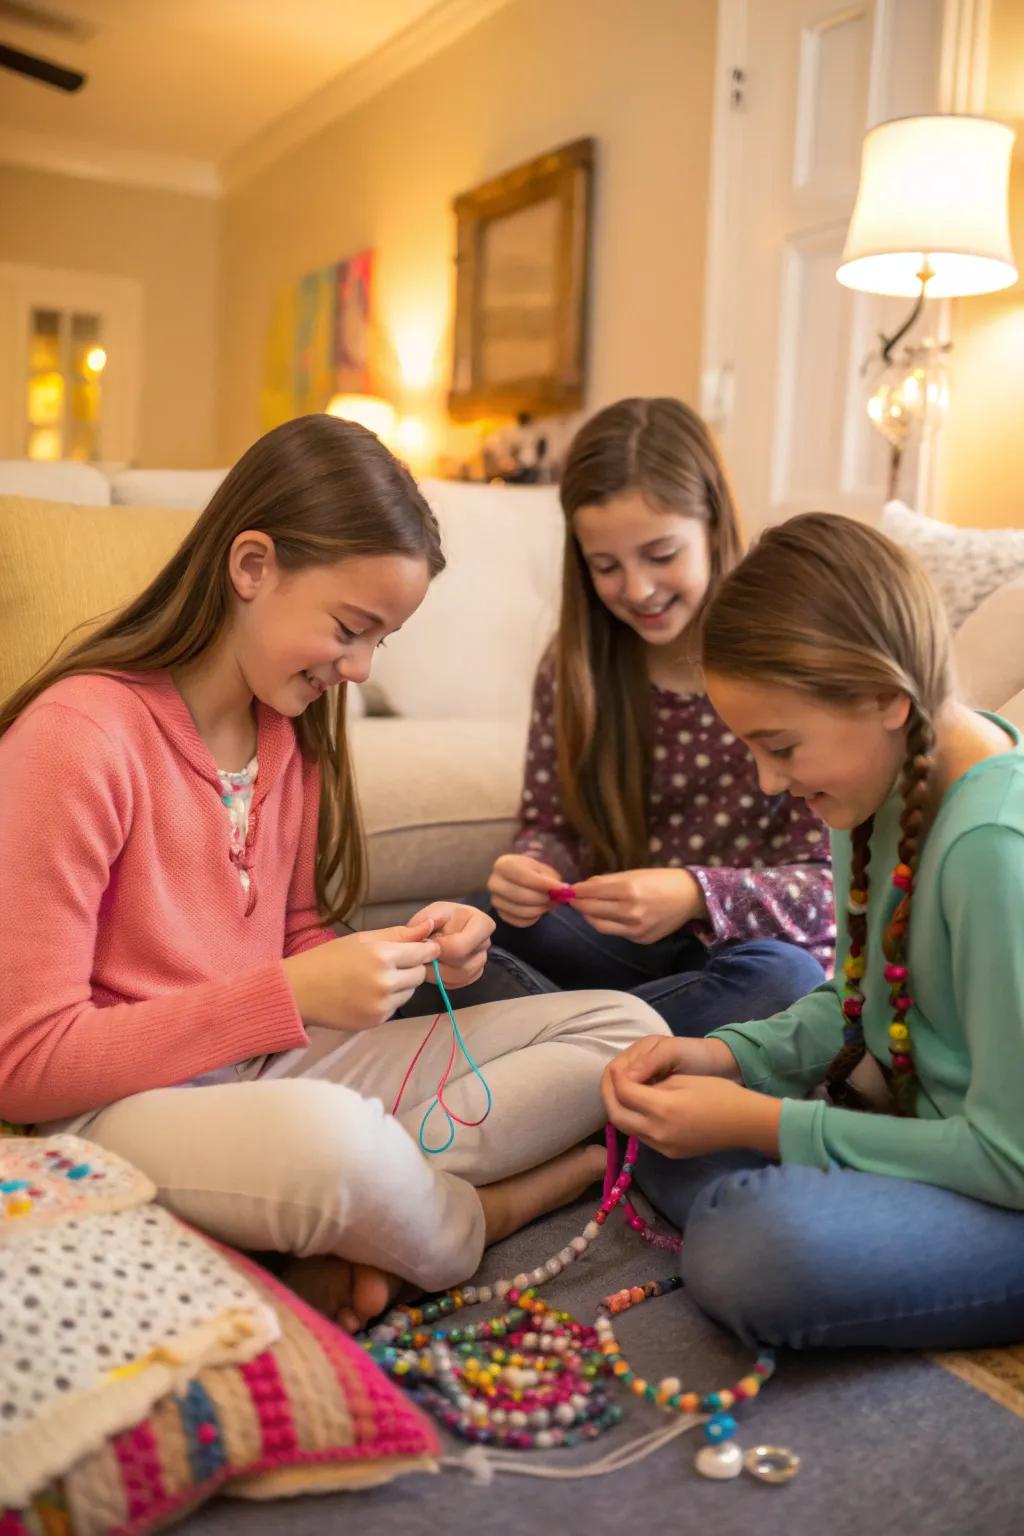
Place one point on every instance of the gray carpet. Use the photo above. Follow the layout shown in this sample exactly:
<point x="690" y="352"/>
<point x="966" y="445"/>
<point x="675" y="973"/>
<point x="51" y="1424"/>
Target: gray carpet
<point x="889" y="1443"/>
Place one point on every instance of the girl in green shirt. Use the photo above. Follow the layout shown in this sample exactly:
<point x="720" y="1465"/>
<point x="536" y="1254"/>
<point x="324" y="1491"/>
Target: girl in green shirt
<point x="851" y="1171"/>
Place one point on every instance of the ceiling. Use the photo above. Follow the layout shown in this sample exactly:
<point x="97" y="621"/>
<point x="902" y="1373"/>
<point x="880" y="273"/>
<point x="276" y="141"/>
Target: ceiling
<point x="192" y="79"/>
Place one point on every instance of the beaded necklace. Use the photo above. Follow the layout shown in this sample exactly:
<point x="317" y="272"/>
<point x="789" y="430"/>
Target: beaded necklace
<point x="896" y="975"/>
<point x="535" y="1378"/>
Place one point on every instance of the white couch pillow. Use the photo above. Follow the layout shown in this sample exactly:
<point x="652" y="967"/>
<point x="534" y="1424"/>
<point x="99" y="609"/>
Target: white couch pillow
<point x="83" y="484"/>
<point x="471" y="649"/>
<point x="966" y="564"/>
<point x="190" y="489"/>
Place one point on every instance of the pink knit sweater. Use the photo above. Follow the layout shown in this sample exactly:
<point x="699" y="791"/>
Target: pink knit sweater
<point x="132" y="958"/>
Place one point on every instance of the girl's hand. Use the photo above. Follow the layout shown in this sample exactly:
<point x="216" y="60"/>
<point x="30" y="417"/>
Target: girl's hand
<point x="656" y="1057"/>
<point x="640" y="904"/>
<point x="687" y="1116"/>
<point x="361" y="980"/>
<point x="463" y="936"/>
<point x="519" y="889"/>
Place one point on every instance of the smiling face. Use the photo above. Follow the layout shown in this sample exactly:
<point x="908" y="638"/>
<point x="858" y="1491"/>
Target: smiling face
<point x="648" y="565"/>
<point x="841" y="759"/>
<point x="296" y="633"/>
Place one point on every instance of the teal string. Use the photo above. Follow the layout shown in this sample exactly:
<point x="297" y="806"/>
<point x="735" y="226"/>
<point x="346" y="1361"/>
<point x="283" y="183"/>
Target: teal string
<point x="438" y="1102"/>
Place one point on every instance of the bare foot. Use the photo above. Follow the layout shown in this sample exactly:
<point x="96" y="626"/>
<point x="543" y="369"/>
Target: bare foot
<point x="351" y="1295"/>
<point x="514" y="1202"/>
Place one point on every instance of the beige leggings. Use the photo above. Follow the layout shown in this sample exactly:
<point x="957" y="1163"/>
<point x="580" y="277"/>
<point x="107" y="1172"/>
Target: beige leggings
<point x="307" y="1158"/>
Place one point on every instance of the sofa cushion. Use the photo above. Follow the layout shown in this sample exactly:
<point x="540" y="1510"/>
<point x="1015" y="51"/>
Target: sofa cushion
<point x="471" y="650"/>
<point x="439" y="802"/>
<point x="66" y="565"/>
<point x="989" y="648"/>
<point x="187" y="488"/>
<point x="966" y="564"/>
<point x="64" y="481"/>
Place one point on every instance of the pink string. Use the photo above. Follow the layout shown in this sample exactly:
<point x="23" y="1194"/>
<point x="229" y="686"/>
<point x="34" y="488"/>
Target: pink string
<point x="419" y="1053"/>
<point x="469" y="1124"/>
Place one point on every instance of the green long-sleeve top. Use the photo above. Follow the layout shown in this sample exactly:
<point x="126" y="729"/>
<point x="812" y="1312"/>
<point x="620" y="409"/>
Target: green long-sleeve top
<point x="966" y="959"/>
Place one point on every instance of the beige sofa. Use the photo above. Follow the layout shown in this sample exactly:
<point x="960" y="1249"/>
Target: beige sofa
<point x="439" y="779"/>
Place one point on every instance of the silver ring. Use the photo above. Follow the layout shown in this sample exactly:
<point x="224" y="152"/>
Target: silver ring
<point x="771" y="1463"/>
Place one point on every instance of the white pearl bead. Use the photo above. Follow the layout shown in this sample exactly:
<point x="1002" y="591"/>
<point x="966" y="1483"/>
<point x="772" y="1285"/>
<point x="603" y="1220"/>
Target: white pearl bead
<point x="560" y="1345"/>
<point x="591" y="1230"/>
<point x="579" y="1245"/>
<point x="567" y="1254"/>
<point x="671" y="1385"/>
<point x="543" y="1439"/>
<point x="553" y="1267"/>
<point x="502" y="1288"/>
<point x="530" y="1341"/>
<point x="521" y="1282"/>
<point x="540" y="1418"/>
<point x="498" y="1416"/>
<point x="517" y="1418"/>
<point x="469" y="1295"/>
<point x="719" y="1461"/>
<point x="564" y="1414"/>
<point x="578" y="1401"/>
<point x="484" y="1293"/>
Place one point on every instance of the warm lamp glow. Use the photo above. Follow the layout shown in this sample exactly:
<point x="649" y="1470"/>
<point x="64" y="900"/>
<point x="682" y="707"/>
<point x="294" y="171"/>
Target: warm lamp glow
<point x="96" y="359"/>
<point x="412" y="437"/>
<point x="369" y="411"/>
<point x="417" y="345"/>
<point x="933" y="195"/>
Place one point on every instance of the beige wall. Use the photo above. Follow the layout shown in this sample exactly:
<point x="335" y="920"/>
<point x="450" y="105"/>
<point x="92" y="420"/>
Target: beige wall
<point x="533" y="76"/>
<point x="170" y="243"/>
<point x="983" y="457"/>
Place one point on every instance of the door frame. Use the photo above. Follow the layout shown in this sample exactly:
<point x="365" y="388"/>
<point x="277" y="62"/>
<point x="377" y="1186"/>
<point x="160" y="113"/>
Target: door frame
<point x="963" y="73"/>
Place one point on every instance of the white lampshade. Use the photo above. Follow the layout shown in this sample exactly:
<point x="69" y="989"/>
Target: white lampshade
<point x="935" y="188"/>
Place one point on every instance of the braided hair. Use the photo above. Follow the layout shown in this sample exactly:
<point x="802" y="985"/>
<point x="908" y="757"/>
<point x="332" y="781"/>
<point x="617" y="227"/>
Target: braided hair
<point x="831" y="608"/>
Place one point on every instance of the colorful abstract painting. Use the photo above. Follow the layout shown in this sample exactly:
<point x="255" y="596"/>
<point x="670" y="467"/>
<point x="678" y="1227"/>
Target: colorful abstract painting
<point x="318" y="344"/>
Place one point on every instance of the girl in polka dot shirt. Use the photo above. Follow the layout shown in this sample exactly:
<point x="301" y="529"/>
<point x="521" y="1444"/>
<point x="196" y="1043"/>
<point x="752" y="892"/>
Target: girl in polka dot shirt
<point x="648" y="859"/>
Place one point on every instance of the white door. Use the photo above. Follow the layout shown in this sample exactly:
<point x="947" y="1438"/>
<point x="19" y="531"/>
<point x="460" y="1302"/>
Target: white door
<point x="69" y="364"/>
<point x="799" y="83"/>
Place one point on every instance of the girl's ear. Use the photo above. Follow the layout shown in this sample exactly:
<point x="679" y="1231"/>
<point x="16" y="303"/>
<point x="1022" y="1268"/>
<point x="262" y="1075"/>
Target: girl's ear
<point x="252" y="564"/>
<point x="893" y="710"/>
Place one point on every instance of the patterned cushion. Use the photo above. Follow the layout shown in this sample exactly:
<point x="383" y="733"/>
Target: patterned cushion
<point x="966" y="564"/>
<point x="310" y="1414"/>
<point x="143" y="1366"/>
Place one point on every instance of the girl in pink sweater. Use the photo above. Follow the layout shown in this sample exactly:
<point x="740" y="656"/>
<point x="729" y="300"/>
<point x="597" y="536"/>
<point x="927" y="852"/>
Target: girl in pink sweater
<point x="178" y="828"/>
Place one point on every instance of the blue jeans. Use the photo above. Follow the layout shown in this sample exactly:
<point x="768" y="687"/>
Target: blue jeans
<point x="798" y="1257"/>
<point x="695" y="989"/>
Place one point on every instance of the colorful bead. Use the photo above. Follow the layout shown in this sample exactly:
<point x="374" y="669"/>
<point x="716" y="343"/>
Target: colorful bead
<point x="550" y="1386"/>
<point x="853" y="965"/>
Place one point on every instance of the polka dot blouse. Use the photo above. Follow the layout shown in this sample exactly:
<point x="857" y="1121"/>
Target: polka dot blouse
<point x="762" y="862"/>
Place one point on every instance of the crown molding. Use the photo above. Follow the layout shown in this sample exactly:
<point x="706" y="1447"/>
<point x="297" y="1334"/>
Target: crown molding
<point x="102" y="162"/>
<point x="434" y="31"/>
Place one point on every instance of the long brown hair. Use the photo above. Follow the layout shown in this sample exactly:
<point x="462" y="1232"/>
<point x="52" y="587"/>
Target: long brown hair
<point x="323" y="490"/>
<point x="663" y="450"/>
<point x="833" y="609"/>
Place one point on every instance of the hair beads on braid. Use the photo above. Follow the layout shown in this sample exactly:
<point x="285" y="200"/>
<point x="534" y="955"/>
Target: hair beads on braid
<point x="853" y="1047"/>
<point x="917" y="769"/>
